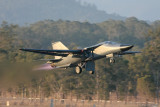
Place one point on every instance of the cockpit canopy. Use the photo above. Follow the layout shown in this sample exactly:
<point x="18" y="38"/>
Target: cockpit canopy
<point x="108" y="43"/>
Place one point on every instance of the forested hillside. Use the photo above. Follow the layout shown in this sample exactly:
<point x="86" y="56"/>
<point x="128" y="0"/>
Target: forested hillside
<point x="130" y="76"/>
<point x="30" y="11"/>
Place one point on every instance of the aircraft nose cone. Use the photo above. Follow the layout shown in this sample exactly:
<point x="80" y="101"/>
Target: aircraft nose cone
<point x="124" y="47"/>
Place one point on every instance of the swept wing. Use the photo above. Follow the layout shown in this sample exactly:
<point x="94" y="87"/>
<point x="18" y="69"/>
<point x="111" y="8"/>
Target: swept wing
<point x="63" y="53"/>
<point x="53" y="52"/>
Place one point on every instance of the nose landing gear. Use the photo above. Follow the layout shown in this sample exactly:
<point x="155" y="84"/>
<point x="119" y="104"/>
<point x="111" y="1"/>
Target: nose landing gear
<point x="112" y="60"/>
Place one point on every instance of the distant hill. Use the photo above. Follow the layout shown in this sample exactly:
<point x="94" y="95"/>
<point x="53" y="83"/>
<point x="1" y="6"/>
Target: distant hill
<point x="30" y="11"/>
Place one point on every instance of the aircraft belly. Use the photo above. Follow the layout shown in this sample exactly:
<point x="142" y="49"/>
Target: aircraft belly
<point x="70" y="59"/>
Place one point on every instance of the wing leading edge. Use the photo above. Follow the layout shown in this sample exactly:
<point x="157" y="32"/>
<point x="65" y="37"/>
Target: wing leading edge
<point x="63" y="53"/>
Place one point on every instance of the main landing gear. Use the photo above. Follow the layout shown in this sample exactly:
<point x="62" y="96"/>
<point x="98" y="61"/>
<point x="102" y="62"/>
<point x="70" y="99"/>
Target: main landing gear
<point x="78" y="69"/>
<point x="89" y="67"/>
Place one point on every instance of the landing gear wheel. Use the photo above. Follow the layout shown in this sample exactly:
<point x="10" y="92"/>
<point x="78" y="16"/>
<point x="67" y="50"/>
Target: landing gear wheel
<point x="78" y="70"/>
<point x="112" y="60"/>
<point x="91" y="72"/>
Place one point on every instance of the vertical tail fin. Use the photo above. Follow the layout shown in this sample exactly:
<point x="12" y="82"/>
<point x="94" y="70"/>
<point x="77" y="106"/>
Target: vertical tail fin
<point x="59" y="46"/>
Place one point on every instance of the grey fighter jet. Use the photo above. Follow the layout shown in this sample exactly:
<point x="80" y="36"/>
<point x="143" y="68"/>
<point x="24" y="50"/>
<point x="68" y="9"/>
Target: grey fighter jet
<point x="81" y="58"/>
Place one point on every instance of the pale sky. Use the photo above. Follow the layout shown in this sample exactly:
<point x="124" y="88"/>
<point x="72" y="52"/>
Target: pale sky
<point x="142" y="9"/>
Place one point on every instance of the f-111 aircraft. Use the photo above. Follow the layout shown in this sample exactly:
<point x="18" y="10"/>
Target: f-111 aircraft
<point x="81" y="58"/>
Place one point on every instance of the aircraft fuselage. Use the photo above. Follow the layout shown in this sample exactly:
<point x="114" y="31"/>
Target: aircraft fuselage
<point x="102" y="51"/>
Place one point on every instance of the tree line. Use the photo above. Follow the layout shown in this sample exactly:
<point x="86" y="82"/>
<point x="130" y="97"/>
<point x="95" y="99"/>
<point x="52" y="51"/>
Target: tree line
<point x="134" y="76"/>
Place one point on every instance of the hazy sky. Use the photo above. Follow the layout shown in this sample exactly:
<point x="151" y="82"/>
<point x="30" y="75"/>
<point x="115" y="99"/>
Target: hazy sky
<point x="142" y="9"/>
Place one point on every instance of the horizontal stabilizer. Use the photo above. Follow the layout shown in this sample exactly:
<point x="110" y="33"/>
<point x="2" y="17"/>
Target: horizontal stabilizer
<point x="129" y="52"/>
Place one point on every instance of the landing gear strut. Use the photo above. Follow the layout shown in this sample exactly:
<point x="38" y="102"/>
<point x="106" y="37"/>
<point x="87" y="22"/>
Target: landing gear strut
<point x="91" y="72"/>
<point x="78" y="70"/>
<point x="112" y="60"/>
